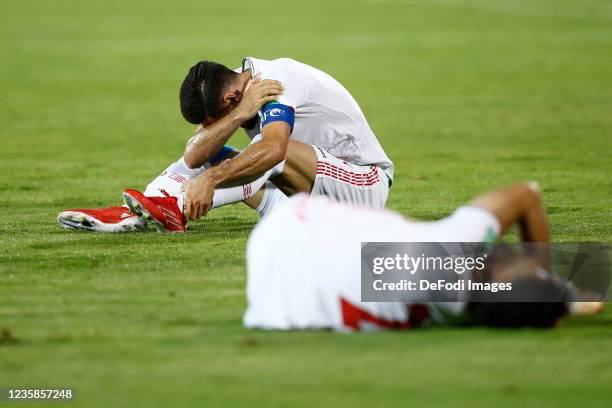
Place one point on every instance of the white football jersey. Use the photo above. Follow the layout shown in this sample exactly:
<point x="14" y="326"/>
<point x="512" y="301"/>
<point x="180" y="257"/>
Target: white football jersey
<point x="303" y="264"/>
<point x="326" y="115"/>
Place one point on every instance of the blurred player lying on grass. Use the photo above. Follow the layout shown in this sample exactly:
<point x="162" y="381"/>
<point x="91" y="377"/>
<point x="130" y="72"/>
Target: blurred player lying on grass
<point x="303" y="265"/>
<point x="307" y="134"/>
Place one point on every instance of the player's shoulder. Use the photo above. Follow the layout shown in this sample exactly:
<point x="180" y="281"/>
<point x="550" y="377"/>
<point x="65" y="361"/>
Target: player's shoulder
<point x="292" y="74"/>
<point x="269" y="69"/>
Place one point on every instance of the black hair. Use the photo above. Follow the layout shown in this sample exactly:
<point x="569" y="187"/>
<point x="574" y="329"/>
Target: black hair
<point x="517" y="308"/>
<point x="513" y="313"/>
<point x="201" y="91"/>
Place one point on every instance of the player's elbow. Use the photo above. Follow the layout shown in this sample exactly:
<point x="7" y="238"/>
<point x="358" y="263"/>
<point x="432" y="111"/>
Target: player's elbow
<point x="196" y="156"/>
<point x="534" y="186"/>
<point x="531" y="194"/>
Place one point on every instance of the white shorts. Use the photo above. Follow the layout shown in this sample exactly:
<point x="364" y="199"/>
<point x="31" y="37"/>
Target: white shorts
<point x="366" y="185"/>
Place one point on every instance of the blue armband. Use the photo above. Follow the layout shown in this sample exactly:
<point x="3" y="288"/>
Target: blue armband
<point x="222" y="155"/>
<point x="275" y="112"/>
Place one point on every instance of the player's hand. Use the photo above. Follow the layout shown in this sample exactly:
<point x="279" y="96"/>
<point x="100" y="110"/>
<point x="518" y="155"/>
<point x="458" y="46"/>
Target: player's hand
<point x="256" y="94"/>
<point x="198" y="197"/>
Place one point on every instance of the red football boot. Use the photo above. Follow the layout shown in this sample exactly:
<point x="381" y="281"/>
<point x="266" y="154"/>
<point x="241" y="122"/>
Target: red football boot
<point x="111" y="219"/>
<point x="163" y="212"/>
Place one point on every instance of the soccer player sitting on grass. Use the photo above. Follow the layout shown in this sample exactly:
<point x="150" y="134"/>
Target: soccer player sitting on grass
<point x="303" y="265"/>
<point x="307" y="134"/>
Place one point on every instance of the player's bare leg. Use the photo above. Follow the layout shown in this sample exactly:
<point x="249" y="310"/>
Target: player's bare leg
<point x="298" y="176"/>
<point x="300" y="170"/>
<point x="294" y="175"/>
<point x="255" y="200"/>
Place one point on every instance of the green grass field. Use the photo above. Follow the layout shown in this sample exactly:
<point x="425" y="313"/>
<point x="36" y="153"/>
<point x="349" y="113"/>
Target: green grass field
<point x="464" y="95"/>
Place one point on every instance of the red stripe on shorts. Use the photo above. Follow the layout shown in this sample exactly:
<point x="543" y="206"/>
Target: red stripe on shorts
<point x="350" y="177"/>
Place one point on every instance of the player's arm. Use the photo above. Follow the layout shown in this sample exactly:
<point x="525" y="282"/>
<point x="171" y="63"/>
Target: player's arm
<point x="211" y="136"/>
<point x="207" y="141"/>
<point x="256" y="159"/>
<point x="520" y="204"/>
